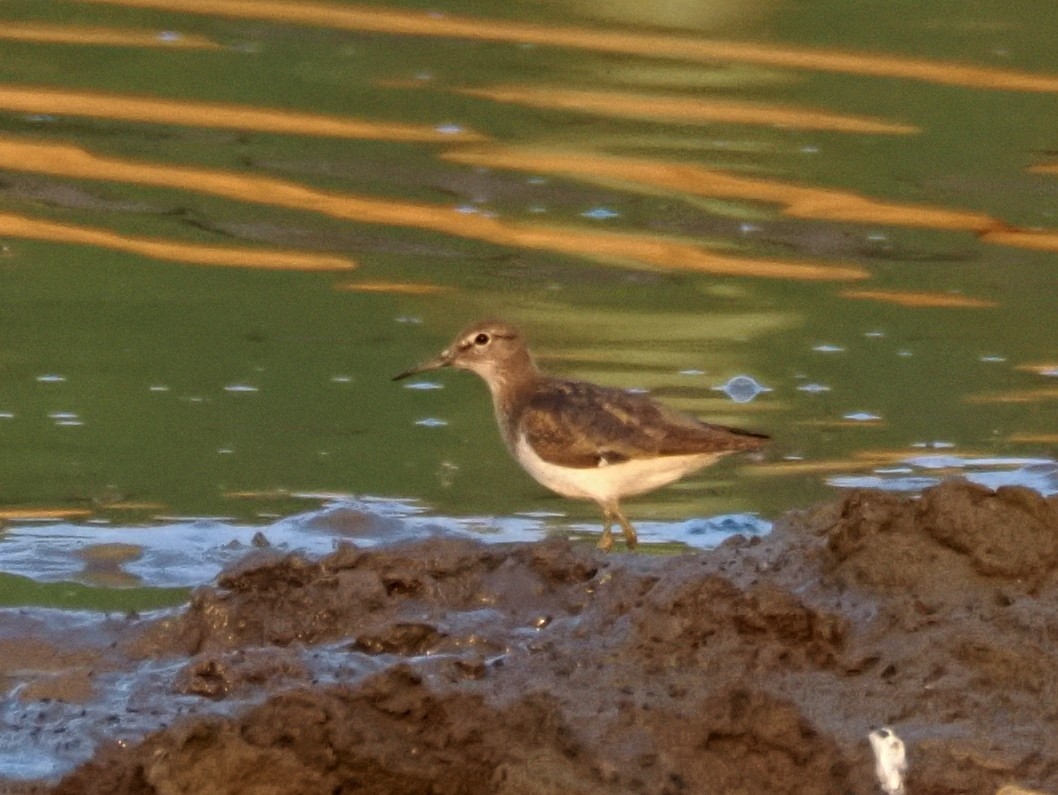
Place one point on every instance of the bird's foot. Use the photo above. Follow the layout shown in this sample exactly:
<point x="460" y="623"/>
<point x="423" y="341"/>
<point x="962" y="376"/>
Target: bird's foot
<point x="631" y="539"/>
<point x="605" y="540"/>
<point x="629" y="532"/>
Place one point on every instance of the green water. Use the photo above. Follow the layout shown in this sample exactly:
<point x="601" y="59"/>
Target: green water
<point x="183" y="385"/>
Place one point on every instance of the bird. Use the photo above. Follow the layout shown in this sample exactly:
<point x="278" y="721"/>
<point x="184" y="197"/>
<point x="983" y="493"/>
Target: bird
<point x="579" y="439"/>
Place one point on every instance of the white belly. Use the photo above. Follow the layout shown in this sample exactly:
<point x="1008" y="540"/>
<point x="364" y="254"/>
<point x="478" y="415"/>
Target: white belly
<point x="608" y="483"/>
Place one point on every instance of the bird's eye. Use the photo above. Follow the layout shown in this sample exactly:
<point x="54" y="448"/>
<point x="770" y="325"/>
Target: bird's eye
<point x="481" y="339"/>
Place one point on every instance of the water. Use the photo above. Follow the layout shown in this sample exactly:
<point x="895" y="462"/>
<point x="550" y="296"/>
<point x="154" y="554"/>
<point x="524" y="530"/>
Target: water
<point x="224" y="230"/>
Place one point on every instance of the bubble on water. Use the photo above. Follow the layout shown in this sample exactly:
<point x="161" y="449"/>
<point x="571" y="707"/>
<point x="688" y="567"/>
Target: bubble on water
<point x="431" y="422"/>
<point x="449" y="129"/>
<point x="692" y="371"/>
<point x="862" y="416"/>
<point x="827" y="348"/>
<point x="240" y="388"/>
<point x="813" y="389"/>
<point x="600" y="213"/>
<point x="742" y="388"/>
<point x="157" y="388"/>
<point x="933" y="445"/>
<point x="51" y="378"/>
<point x="424" y="385"/>
<point x="992" y="358"/>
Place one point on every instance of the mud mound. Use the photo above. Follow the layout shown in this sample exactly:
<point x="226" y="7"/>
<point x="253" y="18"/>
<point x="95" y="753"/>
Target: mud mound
<point x="758" y="667"/>
<point x="689" y="618"/>
<point x="747" y="741"/>
<point x="273" y="600"/>
<point x="390" y="735"/>
<point x="958" y="529"/>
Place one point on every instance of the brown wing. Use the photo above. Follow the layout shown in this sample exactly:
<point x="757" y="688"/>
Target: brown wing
<point x="577" y="424"/>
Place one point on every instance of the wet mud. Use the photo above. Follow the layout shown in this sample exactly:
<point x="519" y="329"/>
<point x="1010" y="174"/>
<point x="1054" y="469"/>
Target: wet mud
<point x="451" y="666"/>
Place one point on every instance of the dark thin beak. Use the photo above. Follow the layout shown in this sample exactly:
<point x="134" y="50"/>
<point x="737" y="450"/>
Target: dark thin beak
<point x="433" y="364"/>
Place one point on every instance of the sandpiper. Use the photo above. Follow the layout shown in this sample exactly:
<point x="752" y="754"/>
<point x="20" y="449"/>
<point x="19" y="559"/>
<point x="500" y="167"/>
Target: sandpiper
<point x="583" y="440"/>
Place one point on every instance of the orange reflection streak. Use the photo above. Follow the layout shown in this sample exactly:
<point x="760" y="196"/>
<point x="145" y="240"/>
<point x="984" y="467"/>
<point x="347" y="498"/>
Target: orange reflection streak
<point x="1017" y="396"/>
<point x="798" y="201"/>
<point x="403" y="288"/>
<point x="43" y="513"/>
<point x="110" y="37"/>
<point x="1034" y="438"/>
<point x="683" y="109"/>
<point x="26" y="99"/>
<point x="843" y="423"/>
<point x="1023" y="238"/>
<point x="920" y="300"/>
<point x="189" y="253"/>
<point x="70" y="161"/>
<point x="134" y="506"/>
<point x="650" y="45"/>
<point x="806" y="467"/>
<point x="824" y="204"/>
<point x="880" y="456"/>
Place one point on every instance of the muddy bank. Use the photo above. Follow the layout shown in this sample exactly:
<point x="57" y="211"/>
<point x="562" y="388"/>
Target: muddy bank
<point x="457" y="667"/>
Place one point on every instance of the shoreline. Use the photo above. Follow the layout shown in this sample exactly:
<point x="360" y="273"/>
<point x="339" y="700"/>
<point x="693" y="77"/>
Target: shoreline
<point x="450" y="665"/>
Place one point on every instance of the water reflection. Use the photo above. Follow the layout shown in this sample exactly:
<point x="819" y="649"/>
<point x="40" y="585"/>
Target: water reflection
<point x="1040" y="474"/>
<point x="684" y="109"/>
<point x="42" y="33"/>
<point x="798" y="201"/>
<point x="399" y="288"/>
<point x="616" y="247"/>
<point x="1035" y="395"/>
<point x="613" y="41"/>
<point x="156" y="110"/>
<point x="920" y="300"/>
<point x="20" y="226"/>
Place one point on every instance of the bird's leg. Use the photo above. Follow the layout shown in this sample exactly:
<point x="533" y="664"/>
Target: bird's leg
<point x="631" y="539"/>
<point x="606" y="540"/>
